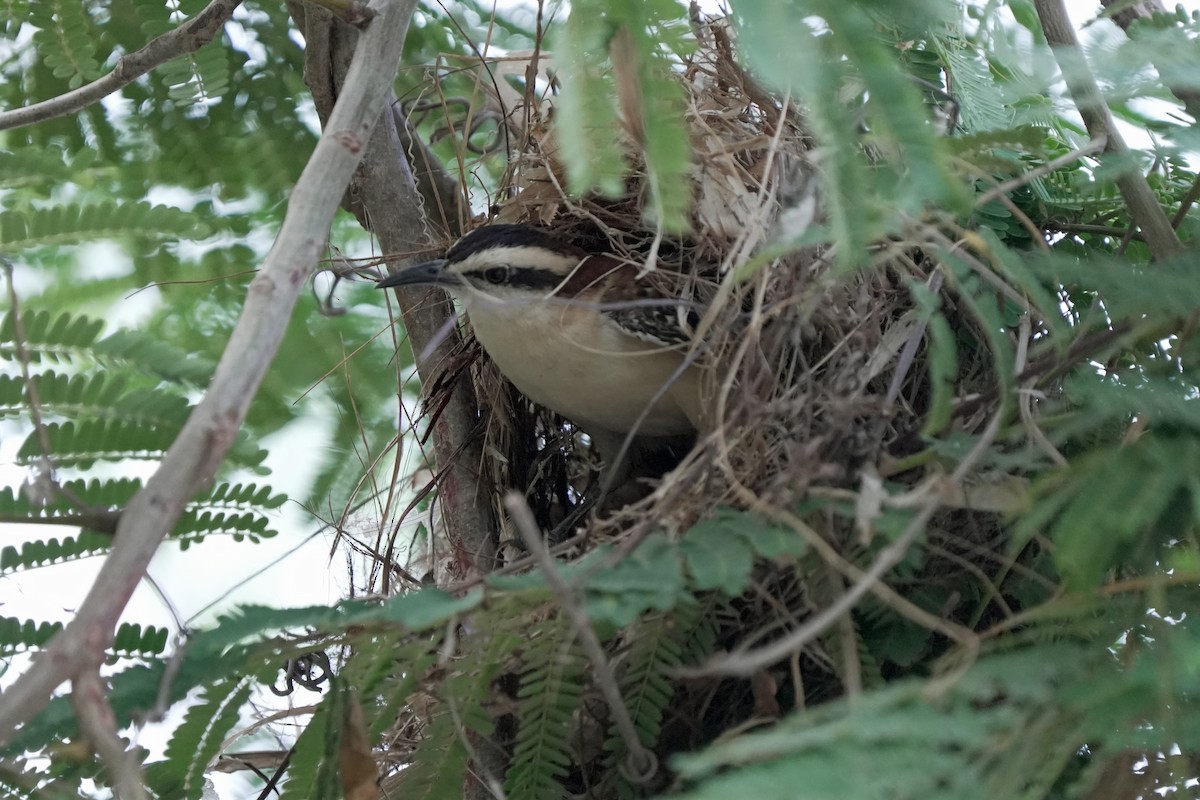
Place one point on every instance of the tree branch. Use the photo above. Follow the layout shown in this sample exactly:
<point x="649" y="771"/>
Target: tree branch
<point x="98" y="520"/>
<point x="193" y="458"/>
<point x="389" y="201"/>
<point x="1143" y="205"/>
<point x="99" y="725"/>
<point x="187" y="38"/>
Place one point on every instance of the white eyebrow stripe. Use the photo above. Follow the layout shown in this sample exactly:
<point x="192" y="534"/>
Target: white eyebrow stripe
<point x="518" y="256"/>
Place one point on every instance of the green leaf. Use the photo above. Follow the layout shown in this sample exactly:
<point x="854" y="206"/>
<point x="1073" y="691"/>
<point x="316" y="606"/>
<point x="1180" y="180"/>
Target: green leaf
<point x="65" y="40"/>
<point x="52" y="336"/>
<point x="19" y="635"/>
<point x="548" y="699"/>
<point x="198" y="739"/>
<point x="616" y="56"/>
<point x="76" y="222"/>
<point x="132" y="640"/>
<point x="768" y="540"/>
<point x="651" y="577"/>
<point x="314" y="771"/>
<point x="716" y="560"/>
<point x="940" y="746"/>
<point x="417" y="611"/>
<point x="588" y="118"/>
<point x="1106" y="510"/>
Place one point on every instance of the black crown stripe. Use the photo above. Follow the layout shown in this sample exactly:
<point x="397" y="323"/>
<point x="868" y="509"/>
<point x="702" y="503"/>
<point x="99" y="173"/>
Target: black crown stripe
<point x="494" y="236"/>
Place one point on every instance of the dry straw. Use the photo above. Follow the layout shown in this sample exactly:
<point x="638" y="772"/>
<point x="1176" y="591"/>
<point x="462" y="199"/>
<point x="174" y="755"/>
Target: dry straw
<point x="820" y="384"/>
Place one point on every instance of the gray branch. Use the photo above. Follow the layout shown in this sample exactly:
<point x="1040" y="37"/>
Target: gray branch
<point x="1143" y="205"/>
<point x="99" y="725"/>
<point x="187" y="38"/>
<point x="400" y="205"/>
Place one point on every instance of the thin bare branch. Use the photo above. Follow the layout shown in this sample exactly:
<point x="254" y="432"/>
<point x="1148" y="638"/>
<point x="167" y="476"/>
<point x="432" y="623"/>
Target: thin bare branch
<point x="99" y="725"/>
<point x="1143" y="205"/>
<point x="193" y="458"/>
<point x="187" y="38"/>
<point x="100" y="521"/>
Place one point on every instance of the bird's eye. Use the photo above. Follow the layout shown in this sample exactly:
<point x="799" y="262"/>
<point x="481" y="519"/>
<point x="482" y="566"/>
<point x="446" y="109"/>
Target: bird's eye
<point x="496" y="274"/>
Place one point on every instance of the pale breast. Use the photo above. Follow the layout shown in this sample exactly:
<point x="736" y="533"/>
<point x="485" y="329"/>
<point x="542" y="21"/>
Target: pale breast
<point x="593" y="374"/>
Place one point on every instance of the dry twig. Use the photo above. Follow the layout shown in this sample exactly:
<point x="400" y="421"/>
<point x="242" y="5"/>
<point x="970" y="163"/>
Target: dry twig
<point x="98" y="724"/>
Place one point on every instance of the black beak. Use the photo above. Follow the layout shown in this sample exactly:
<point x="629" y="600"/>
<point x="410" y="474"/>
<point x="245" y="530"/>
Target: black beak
<point x="431" y="273"/>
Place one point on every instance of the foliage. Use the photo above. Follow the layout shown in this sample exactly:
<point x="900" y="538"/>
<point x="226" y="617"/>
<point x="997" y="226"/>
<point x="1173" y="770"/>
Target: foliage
<point x="1032" y="700"/>
<point x="636" y="42"/>
<point x="1062" y="575"/>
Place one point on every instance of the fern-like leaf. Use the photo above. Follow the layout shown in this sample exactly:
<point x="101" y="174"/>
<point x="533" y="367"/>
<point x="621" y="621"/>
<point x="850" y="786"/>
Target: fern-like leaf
<point x="72" y="223"/>
<point x="194" y="524"/>
<point x="195" y="742"/>
<point x="238" y="495"/>
<point x="98" y="494"/>
<point x="441" y="757"/>
<point x="43" y="552"/>
<point x="49" y="336"/>
<point x="133" y="640"/>
<point x="587" y="115"/>
<point x="19" y="635"/>
<point x="13" y="16"/>
<point x="58" y="393"/>
<point x="39" y="166"/>
<point x="656" y="646"/>
<point x="229" y="508"/>
<point x="154" y="356"/>
<point x="634" y="39"/>
<point x="974" y="736"/>
<point x="65" y="40"/>
<point x="97" y="395"/>
<point x="314" y="771"/>
<point x="199" y="77"/>
<point x="551" y="689"/>
<point x="1107" y="510"/>
<point x="82" y="444"/>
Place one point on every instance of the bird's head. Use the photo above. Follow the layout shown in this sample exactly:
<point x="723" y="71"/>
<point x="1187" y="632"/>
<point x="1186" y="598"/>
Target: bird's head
<point x="505" y="263"/>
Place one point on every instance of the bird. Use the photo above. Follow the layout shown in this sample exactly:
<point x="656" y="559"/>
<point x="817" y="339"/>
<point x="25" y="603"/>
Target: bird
<point x="579" y="333"/>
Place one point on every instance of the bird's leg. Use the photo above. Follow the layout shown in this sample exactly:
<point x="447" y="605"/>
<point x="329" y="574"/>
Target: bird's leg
<point x="624" y="461"/>
<point x="616" y="451"/>
<point x="614" y="474"/>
